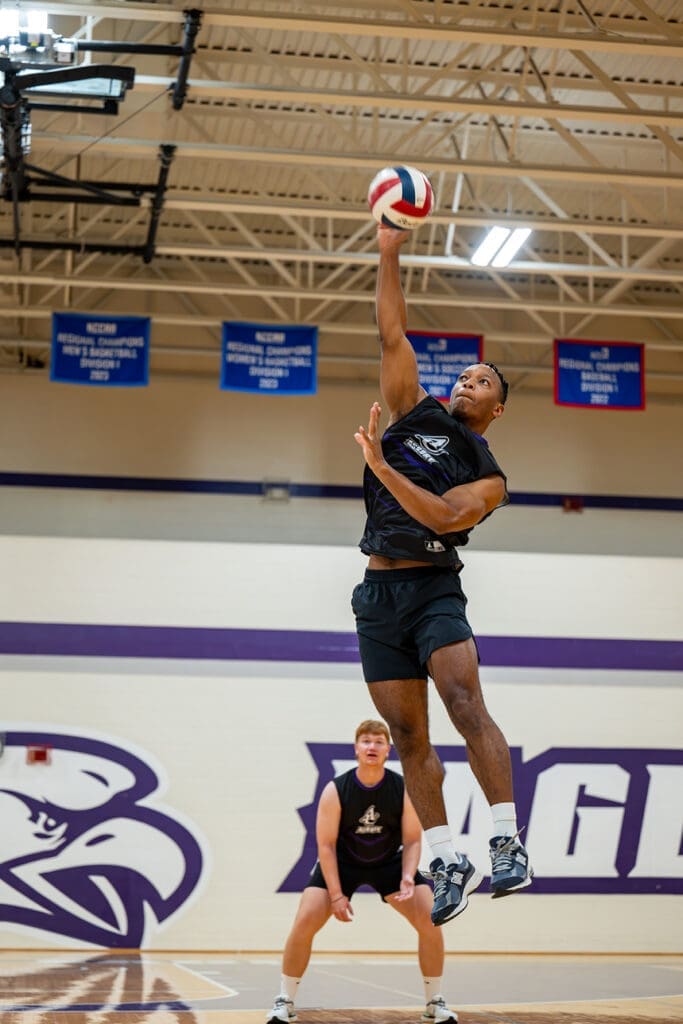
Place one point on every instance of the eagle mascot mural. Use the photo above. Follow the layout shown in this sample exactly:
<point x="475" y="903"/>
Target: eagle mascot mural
<point x="84" y="854"/>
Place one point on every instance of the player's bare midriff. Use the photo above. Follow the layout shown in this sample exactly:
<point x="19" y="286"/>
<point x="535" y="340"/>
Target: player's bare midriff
<point x="381" y="562"/>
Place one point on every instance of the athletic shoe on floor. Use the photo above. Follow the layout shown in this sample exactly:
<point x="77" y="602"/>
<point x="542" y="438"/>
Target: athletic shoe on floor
<point x="437" y="1011"/>
<point x="282" y="1012"/>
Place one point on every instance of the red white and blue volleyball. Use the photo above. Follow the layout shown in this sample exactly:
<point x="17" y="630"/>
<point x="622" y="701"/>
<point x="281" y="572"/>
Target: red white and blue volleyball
<point x="400" y="197"/>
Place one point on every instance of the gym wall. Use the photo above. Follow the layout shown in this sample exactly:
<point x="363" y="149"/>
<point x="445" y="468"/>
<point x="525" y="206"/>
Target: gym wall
<point x="190" y="699"/>
<point x="184" y="434"/>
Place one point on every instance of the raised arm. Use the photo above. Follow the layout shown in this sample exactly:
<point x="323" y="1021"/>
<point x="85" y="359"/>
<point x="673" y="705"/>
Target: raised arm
<point x="398" y="379"/>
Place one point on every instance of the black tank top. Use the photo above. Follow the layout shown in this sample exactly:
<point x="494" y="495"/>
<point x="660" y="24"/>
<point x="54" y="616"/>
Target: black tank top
<point x="436" y="452"/>
<point x="370" y="826"/>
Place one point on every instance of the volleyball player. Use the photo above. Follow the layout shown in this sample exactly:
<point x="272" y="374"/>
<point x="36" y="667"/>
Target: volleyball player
<point x="367" y="834"/>
<point x="428" y="481"/>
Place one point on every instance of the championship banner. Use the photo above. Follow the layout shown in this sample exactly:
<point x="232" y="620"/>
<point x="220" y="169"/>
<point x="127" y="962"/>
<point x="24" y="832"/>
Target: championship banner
<point x="107" y="350"/>
<point x="274" y="360"/>
<point x="441" y="358"/>
<point x="604" y="375"/>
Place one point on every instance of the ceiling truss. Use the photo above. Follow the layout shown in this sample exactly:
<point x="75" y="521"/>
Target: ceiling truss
<point x="563" y="117"/>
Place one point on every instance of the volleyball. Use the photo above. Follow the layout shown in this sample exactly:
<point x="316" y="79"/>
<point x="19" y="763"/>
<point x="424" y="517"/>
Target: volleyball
<point x="400" y="197"/>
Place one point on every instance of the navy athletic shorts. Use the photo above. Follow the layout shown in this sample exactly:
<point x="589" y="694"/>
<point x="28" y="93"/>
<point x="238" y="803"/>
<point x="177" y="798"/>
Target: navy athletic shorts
<point x="403" y="616"/>
<point x="383" y="878"/>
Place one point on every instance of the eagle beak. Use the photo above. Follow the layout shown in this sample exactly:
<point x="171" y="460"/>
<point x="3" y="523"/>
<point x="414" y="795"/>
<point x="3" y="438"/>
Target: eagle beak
<point x="108" y="871"/>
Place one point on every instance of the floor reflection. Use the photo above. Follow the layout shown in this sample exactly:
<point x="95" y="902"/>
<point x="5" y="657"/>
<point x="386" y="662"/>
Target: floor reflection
<point x="48" y="988"/>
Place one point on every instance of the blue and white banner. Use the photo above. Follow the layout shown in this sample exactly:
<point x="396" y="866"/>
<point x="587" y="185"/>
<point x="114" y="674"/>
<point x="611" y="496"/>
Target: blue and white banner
<point x="441" y="358"/>
<point x="269" y="359"/>
<point x="603" y="375"/>
<point x="107" y="350"/>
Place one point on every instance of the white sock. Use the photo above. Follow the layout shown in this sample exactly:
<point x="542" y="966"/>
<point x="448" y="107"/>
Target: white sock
<point x="288" y="986"/>
<point x="504" y="819"/>
<point x="441" y="844"/>
<point x="432" y="988"/>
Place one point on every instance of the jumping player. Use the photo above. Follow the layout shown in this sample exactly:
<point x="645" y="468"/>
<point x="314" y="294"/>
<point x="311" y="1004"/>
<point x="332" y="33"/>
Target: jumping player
<point x="368" y="834"/>
<point x="428" y="481"/>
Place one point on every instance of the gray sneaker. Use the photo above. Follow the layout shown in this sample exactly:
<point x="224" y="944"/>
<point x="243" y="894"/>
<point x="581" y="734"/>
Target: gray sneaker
<point x="510" y="868"/>
<point x="452" y="885"/>
<point x="437" y="1011"/>
<point x="282" y="1012"/>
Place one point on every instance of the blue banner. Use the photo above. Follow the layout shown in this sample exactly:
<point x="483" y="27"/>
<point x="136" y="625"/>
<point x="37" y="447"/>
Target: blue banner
<point x="598" y="374"/>
<point x="270" y="360"/>
<point x="441" y="358"/>
<point x="88" y="348"/>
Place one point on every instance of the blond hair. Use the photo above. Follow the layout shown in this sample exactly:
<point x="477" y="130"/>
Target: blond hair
<point x="374" y="727"/>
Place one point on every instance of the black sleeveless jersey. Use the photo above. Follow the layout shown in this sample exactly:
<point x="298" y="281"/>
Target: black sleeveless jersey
<point x="436" y="452"/>
<point x="370" y="826"/>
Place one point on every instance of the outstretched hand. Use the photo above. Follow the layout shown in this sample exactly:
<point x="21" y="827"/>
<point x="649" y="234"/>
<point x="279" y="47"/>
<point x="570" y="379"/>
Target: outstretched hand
<point x="369" y="439"/>
<point x="390" y="239"/>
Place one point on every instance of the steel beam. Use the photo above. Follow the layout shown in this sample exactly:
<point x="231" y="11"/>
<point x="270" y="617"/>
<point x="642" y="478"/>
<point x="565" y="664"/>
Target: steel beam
<point x="217" y="288"/>
<point x="176" y="200"/>
<point x="588" y="42"/>
<point x="118" y="147"/>
<point x="530" y="268"/>
<point x="615" y="115"/>
<point x="424" y="102"/>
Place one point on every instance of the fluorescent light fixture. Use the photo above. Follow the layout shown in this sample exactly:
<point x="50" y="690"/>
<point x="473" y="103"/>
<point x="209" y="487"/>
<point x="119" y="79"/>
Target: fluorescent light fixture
<point x="91" y="88"/>
<point x="511" y="247"/>
<point x="499" y="246"/>
<point x="36" y="22"/>
<point x="489" y="247"/>
<point x="9" y="24"/>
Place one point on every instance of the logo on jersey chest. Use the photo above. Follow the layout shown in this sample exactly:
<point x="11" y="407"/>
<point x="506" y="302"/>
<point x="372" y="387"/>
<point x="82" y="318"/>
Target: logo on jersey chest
<point x="427" y="445"/>
<point x="367" y="823"/>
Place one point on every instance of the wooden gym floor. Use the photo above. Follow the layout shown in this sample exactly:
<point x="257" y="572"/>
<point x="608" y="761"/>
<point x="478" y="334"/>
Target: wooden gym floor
<point x="53" y="987"/>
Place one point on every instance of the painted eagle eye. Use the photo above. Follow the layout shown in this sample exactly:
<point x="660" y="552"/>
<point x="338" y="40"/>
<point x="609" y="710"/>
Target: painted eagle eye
<point x="48" y="827"/>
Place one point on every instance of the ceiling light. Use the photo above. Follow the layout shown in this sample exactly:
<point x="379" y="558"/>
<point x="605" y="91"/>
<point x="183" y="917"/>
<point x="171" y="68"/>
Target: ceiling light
<point x="511" y="247"/>
<point x="499" y="246"/>
<point x="489" y="247"/>
<point x="9" y="24"/>
<point x="36" y="22"/>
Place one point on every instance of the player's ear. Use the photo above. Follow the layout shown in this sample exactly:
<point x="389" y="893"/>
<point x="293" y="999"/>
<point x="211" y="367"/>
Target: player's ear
<point x="498" y="410"/>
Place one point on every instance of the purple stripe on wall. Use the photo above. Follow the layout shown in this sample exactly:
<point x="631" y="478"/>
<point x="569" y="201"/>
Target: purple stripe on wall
<point x="99" y="482"/>
<point x="56" y="638"/>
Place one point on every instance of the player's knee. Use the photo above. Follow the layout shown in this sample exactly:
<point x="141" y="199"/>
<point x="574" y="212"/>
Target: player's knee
<point x="467" y="711"/>
<point x="409" y="741"/>
<point x="308" y="925"/>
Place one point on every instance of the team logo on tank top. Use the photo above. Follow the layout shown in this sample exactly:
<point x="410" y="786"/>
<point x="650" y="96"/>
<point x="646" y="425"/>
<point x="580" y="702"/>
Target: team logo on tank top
<point x="368" y="822"/>
<point x="434" y="445"/>
<point x="427" y="445"/>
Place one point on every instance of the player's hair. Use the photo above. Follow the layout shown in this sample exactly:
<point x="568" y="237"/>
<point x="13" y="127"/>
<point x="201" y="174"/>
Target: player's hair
<point x="374" y="727"/>
<point x="504" y="386"/>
